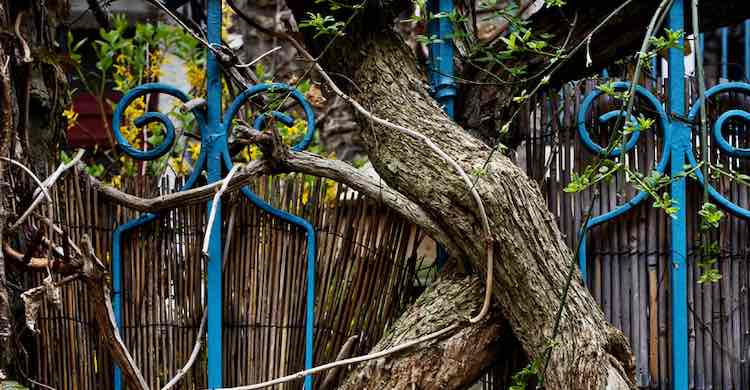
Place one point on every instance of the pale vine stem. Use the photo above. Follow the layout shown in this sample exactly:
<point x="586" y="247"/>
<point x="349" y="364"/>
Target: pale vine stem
<point x="212" y="215"/>
<point x="345" y="362"/>
<point x="48" y="183"/>
<point x="704" y="120"/>
<point x="193" y="355"/>
<point x="39" y="183"/>
<point x="30" y="173"/>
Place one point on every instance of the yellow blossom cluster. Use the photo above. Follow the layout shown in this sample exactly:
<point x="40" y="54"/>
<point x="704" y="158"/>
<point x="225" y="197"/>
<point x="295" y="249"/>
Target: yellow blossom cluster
<point x="250" y="153"/>
<point x="115" y="181"/>
<point x="122" y="76"/>
<point x="194" y="148"/>
<point x="227" y="19"/>
<point x="71" y="116"/>
<point x="131" y="133"/>
<point x="156" y="60"/>
<point x="196" y="78"/>
<point x="297" y="130"/>
<point x="179" y="166"/>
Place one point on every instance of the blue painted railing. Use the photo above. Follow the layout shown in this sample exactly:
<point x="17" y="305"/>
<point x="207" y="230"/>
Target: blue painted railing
<point x="214" y="157"/>
<point x="440" y="71"/>
<point x="677" y="152"/>
<point x="440" y="67"/>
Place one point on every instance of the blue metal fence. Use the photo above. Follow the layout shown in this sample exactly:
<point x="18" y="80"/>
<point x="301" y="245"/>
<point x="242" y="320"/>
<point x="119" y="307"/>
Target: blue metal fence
<point x="678" y="126"/>
<point x="213" y="160"/>
<point x="675" y="122"/>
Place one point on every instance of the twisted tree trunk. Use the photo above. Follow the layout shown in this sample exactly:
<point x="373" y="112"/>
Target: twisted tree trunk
<point x="531" y="257"/>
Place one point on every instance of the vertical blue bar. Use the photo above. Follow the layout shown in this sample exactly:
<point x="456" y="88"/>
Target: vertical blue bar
<point x="441" y="56"/>
<point x="214" y="141"/>
<point x="680" y="143"/>
<point x="440" y="69"/>
<point x="725" y="53"/>
<point x="582" y="266"/>
<point x="747" y="50"/>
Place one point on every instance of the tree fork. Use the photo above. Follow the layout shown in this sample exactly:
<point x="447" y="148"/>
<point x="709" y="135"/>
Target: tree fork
<point x="531" y="258"/>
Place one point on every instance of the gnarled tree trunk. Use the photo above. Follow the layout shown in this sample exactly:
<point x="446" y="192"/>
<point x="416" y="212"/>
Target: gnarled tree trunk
<point x="531" y="259"/>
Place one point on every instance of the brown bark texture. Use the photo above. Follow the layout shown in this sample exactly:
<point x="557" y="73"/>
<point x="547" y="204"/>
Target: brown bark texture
<point x="531" y="258"/>
<point x="453" y="362"/>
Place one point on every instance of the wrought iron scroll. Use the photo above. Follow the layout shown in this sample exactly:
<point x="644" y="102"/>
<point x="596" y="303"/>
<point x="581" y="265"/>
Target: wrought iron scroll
<point x="677" y="153"/>
<point x="213" y="159"/>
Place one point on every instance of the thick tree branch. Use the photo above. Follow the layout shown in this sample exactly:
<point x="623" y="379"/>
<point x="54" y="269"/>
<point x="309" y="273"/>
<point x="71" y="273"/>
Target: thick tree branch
<point x="301" y="162"/>
<point x="450" y="363"/>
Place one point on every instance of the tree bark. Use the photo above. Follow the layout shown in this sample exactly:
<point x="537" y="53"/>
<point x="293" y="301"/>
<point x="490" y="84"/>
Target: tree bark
<point x="451" y="363"/>
<point x="531" y="260"/>
<point x="6" y="126"/>
<point x="531" y="257"/>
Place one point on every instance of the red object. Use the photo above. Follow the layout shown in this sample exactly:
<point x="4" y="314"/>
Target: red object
<point x="89" y="130"/>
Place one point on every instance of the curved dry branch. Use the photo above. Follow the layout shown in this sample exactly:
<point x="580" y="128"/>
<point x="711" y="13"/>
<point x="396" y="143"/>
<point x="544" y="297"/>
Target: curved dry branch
<point x="193" y="355"/>
<point x="47" y="183"/>
<point x="301" y="162"/>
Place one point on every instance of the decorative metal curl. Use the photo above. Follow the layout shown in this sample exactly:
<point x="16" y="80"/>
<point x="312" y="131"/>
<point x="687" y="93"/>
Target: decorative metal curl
<point x="150" y="117"/>
<point x="200" y="164"/>
<point x="259" y="122"/>
<point x="721" y="142"/>
<point x="595" y="148"/>
<point x="661" y="166"/>
<point x="667" y="129"/>
<point x="300" y="222"/>
<point x="587" y="104"/>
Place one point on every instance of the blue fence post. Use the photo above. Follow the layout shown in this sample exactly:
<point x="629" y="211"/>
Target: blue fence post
<point x="216" y="143"/>
<point x="214" y="157"/>
<point x="681" y="141"/>
<point x="440" y="70"/>
<point x="441" y="55"/>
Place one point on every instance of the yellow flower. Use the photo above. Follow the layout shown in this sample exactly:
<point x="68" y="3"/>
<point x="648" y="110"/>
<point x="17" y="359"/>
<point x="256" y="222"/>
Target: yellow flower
<point x="254" y="152"/>
<point x="155" y="65"/>
<point x="121" y="58"/>
<point x="116" y="181"/>
<point x="121" y="70"/>
<point x="331" y="191"/>
<point x="227" y="17"/>
<point x="250" y="153"/>
<point x="135" y="109"/>
<point x="155" y="72"/>
<point x="195" y="150"/>
<point x="132" y="135"/>
<point x="179" y="165"/>
<point x="128" y="166"/>
<point x="296" y="130"/>
<point x="305" y="193"/>
<point x="71" y="115"/>
<point x="196" y="77"/>
<point x="121" y="85"/>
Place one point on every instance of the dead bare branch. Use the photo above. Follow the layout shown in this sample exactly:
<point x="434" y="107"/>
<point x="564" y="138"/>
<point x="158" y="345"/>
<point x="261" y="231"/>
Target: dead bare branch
<point x="193" y="355"/>
<point x="46" y="184"/>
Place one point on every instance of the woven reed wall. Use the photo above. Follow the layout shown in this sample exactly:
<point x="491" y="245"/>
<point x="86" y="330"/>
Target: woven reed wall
<point x="366" y="263"/>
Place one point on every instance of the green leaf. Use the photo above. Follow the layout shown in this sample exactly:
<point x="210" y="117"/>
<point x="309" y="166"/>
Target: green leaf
<point x="711" y="216"/>
<point x="155" y="139"/>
